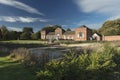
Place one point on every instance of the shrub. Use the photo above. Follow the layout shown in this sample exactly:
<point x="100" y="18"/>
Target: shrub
<point x="101" y="65"/>
<point x="29" y="59"/>
<point x="20" y="54"/>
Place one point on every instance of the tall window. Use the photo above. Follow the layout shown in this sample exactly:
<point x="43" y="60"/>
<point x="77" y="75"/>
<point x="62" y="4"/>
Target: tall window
<point x="58" y="36"/>
<point x="80" y="35"/>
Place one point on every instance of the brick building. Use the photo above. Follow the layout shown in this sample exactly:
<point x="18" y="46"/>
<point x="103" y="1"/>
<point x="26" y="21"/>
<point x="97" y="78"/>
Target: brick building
<point x="82" y="33"/>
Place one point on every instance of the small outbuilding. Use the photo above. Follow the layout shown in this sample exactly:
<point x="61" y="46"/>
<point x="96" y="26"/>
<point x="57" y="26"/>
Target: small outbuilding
<point x="97" y="37"/>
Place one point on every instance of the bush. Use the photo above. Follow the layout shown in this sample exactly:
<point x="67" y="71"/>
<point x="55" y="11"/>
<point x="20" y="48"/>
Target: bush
<point x="20" y="54"/>
<point x="29" y="59"/>
<point x="101" y="65"/>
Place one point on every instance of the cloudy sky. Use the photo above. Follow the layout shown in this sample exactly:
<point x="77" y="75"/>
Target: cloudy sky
<point x="16" y="14"/>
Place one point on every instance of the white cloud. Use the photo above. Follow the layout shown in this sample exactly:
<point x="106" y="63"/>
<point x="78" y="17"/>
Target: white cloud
<point x="109" y="7"/>
<point x="114" y="17"/>
<point x="27" y="19"/>
<point x="94" y="25"/>
<point x="89" y="24"/>
<point x="14" y="28"/>
<point x="8" y="19"/>
<point x="21" y="6"/>
<point x="22" y="19"/>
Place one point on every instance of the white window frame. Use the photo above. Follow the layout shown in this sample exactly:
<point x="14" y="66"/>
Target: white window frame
<point x="80" y="35"/>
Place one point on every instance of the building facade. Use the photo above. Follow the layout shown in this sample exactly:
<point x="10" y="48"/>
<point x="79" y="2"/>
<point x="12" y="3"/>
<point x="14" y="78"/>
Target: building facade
<point x="82" y="33"/>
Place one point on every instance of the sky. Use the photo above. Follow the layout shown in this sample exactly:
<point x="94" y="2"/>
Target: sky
<point x="16" y="14"/>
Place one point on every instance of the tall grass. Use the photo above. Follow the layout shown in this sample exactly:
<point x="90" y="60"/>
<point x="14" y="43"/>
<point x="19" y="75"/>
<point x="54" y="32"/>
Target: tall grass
<point x="24" y="56"/>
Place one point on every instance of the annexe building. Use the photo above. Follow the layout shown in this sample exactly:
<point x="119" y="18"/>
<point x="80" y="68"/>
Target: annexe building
<point x="81" y="33"/>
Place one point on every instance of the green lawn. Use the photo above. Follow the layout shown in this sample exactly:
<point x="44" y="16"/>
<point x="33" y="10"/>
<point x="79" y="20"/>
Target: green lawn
<point x="24" y="41"/>
<point x="10" y="70"/>
<point x="13" y="44"/>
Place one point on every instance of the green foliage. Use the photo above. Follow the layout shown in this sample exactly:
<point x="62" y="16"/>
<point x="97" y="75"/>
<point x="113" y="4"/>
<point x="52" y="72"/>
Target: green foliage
<point x="12" y="35"/>
<point x="95" y="66"/>
<point x="44" y="75"/>
<point x="68" y="29"/>
<point x="35" y="36"/>
<point x="51" y="28"/>
<point x="25" y="36"/>
<point x="20" y="54"/>
<point x="28" y="29"/>
<point x="25" y="56"/>
<point x="4" y="32"/>
<point x="111" y="27"/>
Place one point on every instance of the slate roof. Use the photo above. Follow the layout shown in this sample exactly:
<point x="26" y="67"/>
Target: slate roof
<point x="84" y="26"/>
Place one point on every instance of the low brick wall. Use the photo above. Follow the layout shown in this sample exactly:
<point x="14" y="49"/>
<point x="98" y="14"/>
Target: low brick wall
<point x="111" y="38"/>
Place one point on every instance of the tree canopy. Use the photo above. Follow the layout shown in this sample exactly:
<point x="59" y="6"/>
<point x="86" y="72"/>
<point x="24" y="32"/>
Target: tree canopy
<point x="4" y="32"/>
<point x="110" y="27"/>
<point x="68" y="29"/>
<point x="51" y="28"/>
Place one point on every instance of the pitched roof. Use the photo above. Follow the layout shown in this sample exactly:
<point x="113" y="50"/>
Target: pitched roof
<point x="69" y="32"/>
<point x="84" y="26"/>
<point x="51" y="33"/>
<point x="98" y="34"/>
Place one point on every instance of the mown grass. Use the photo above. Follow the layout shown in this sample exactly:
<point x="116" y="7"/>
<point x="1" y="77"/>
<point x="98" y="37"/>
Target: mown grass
<point x="12" y="44"/>
<point x="24" y="41"/>
<point x="10" y="70"/>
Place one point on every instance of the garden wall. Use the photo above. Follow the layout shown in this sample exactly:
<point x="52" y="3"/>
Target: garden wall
<point x="111" y="38"/>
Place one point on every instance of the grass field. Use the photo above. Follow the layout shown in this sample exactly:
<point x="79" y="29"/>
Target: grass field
<point x="10" y="70"/>
<point x="11" y="44"/>
<point x="24" y="41"/>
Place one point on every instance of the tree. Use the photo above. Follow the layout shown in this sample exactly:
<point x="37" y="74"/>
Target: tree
<point x="4" y="32"/>
<point x="68" y="29"/>
<point x="12" y="35"/>
<point x="25" y="36"/>
<point x="28" y="30"/>
<point x="35" y="36"/>
<point x="94" y="31"/>
<point x="111" y="27"/>
<point x="51" y="28"/>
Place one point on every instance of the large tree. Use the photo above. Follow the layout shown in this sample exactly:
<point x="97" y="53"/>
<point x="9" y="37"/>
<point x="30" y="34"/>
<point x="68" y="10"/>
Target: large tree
<point x="4" y="32"/>
<point x="111" y="27"/>
<point x="28" y="30"/>
<point x="35" y="36"/>
<point x="26" y="34"/>
<point x="51" y="28"/>
<point x="12" y="35"/>
<point x="68" y="29"/>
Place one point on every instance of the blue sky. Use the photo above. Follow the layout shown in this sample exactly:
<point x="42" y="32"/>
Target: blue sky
<point x="16" y="14"/>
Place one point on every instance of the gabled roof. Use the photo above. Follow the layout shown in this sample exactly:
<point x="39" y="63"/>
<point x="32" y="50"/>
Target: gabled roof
<point x="61" y="29"/>
<point x="69" y="32"/>
<point x="84" y="26"/>
<point x="51" y="33"/>
<point x="98" y="34"/>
